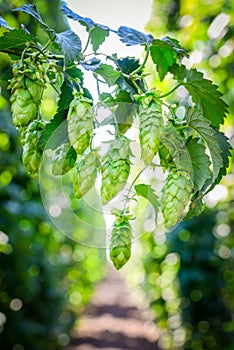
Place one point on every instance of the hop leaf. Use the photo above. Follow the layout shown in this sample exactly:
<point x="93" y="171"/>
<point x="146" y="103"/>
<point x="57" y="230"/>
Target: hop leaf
<point x="80" y="124"/>
<point x="151" y="122"/>
<point x="175" y="196"/>
<point x="120" y="246"/>
<point x="86" y="174"/>
<point x="115" y="169"/>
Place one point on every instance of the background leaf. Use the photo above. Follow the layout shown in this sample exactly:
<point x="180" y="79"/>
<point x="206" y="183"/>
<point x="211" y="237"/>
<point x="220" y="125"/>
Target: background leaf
<point x="131" y="37"/>
<point x="60" y="135"/>
<point x="209" y="135"/>
<point x="14" y="41"/>
<point x="200" y="163"/>
<point x="147" y="192"/>
<point x="128" y="64"/>
<point x="4" y="24"/>
<point x="109" y="74"/>
<point x="204" y="93"/>
<point x="32" y="10"/>
<point x="70" y="44"/>
<point x="91" y="64"/>
<point x="97" y="37"/>
<point x="164" y="54"/>
<point x="85" y="21"/>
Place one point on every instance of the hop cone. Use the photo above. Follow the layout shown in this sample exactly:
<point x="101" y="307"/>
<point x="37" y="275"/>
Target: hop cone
<point x="115" y="169"/>
<point x="86" y="174"/>
<point x="151" y="122"/>
<point x="64" y="159"/>
<point x="80" y="124"/>
<point x="120" y="246"/>
<point x="175" y="196"/>
<point x="31" y="153"/>
<point x="26" y="88"/>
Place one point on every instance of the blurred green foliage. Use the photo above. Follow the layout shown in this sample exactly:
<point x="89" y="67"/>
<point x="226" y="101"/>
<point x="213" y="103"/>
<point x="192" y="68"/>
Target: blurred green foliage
<point x="189" y="281"/>
<point x="205" y="28"/>
<point x="46" y="279"/>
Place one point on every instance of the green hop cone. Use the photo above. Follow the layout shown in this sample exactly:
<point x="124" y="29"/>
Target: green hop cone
<point x="31" y="153"/>
<point x="80" y="124"/>
<point x="86" y="174"/>
<point x="26" y="88"/>
<point x="64" y="159"/>
<point x="115" y="168"/>
<point x="176" y="194"/>
<point x="120" y="246"/>
<point x="151" y="123"/>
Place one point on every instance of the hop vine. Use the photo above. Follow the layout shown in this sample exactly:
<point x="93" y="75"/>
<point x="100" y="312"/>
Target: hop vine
<point x="191" y="151"/>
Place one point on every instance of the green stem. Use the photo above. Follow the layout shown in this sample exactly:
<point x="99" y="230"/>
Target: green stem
<point x="87" y="44"/>
<point x="143" y="63"/>
<point x="130" y="189"/>
<point x="171" y="91"/>
<point x="46" y="45"/>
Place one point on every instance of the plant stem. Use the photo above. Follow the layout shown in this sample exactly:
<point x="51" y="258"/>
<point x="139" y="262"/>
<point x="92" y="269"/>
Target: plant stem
<point x="130" y="189"/>
<point x="87" y="44"/>
<point x="143" y="63"/>
<point x="171" y="91"/>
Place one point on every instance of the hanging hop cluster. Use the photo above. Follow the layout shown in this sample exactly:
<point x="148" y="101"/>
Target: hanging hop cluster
<point x="151" y="124"/>
<point x="115" y="168"/>
<point x="31" y="153"/>
<point x="86" y="173"/>
<point x="80" y="123"/>
<point x="121" y="236"/>
<point x="26" y="91"/>
<point x="175" y="196"/>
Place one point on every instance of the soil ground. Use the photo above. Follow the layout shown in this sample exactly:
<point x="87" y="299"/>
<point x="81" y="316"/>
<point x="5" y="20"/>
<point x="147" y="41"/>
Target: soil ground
<point x="113" y="322"/>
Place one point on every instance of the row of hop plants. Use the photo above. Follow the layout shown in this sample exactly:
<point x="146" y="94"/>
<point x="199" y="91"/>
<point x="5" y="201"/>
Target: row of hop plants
<point x="46" y="279"/>
<point x="187" y="280"/>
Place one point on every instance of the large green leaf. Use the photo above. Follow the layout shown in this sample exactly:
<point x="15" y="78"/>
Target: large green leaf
<point x="131" y="37"/>
<point x="200" y="163"/>
<point x="219" y="154"/>
<point x="97" y="37"/>
<point x="32" y="10"/>
<point x="164" y="53"/>
<point x="109" y="74"/>
<point x="70" y="44"/>
<point x="147" y="192"/>
<point x="55" y="132"/>
<point x="204" y="93"/>
<point x="14" y="41"/>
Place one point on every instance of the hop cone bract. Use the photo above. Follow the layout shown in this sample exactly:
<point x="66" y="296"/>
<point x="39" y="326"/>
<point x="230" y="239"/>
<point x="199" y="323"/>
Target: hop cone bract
<point x="115" y="169"/>
<point x="64" y="159"/>
<point x="151" y="122"/>
<point x="26" y="88"/>
<point x="175" y="196"/>
<point x="31" y="153"/>
<point x="86" y="174"/>
<point x="120" y="246"/>
<point x="80" y="124"/>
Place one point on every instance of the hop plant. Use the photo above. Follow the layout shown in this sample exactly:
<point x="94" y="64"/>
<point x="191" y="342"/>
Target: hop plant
<point x="175" y="196"/>
<point x="86" y="173"/>
<point x="121" y="236"/>
<point x="115" y="169"/>
<point x="80" y="124"/>
<point x="31" y="153"/>
<point x="64" y="159"/>
<point x="151" y="122"/>
<point x="26" y="89"/>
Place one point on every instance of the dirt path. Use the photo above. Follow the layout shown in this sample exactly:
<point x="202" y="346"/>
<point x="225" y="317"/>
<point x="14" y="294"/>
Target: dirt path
<point x="113" y="322"/>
